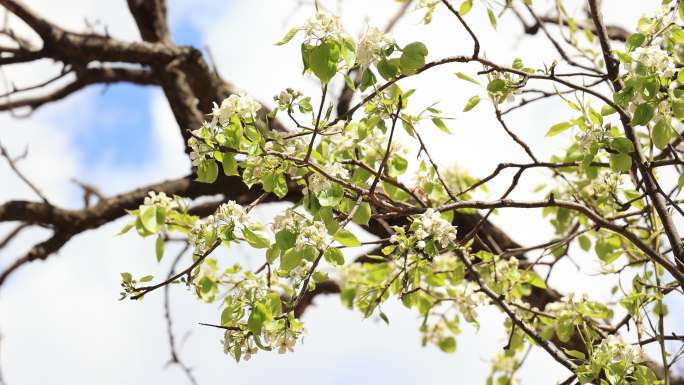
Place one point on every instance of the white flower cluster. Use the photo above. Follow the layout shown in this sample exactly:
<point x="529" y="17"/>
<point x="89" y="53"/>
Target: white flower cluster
<point x="283" y="340"/>
<point x="161" y="200"/>
<point x="319" y="182"/>
<point x="231" y="338"/>
<point x="198" y="150"/>
<point x="289" y="220"/>
<point x="614" y="349"/>
<point x="563" y="308"/>
<point x="373" y="145"/>
<point x="286" y="96"/>
<point x="432" y="225"/>
<point x="228" y="214"/>
<point x="241" y="105"/>
<point x="289" y="146"/>
<point x="655" y="58"/>
<point x="371" y="45"/>
<point x="309" y="232"/>
<point x="468" y="299"/>
<point x="586" y="138"/>
<point x="233" y="214"/>
<point x="314" y="234"/>
<point x="324" y="25"/>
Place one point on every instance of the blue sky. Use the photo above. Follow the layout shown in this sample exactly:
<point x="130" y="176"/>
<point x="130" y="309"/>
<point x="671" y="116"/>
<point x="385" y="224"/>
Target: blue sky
<point x="124" y="122"/>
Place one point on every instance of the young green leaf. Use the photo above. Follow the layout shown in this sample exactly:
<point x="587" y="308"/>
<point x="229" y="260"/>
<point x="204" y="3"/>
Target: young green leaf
<point x="467" y="78"/>
<point x="558" y="128"/>
<point x="323" y="60"/>
<point x="472" y="102"/>
<point x="288" y="36"/>
<point x="465" y="7"/>
<point x="347" y="238"/>
<point x="334" y="256"/>
<point x="159" y="247"/>
<point x="412" y="58"/>
<point x="440" y="124"/>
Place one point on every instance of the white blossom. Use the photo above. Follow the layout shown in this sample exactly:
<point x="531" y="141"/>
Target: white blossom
<point x="615" y="349"/>
<point x="655" y="58"/>
<point x="233" y="214"/>
<point x="159" y="199"/>
<point x="324" y="25"/>
<point x="313" y="234"/>
<point x="198" y="150"/>
<point x="431" y="224"/>
<point x="241" y="105"/>
<point x="319" y="182"/>
<point x="287" y="95"/>
<point x="371" y="45"/>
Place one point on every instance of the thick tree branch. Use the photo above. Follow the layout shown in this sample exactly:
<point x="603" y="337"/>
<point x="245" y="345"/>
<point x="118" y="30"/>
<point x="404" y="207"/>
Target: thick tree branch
<point x="84" y="78"/>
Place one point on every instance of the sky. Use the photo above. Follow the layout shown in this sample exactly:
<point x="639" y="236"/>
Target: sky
<point x="62" y="316"/>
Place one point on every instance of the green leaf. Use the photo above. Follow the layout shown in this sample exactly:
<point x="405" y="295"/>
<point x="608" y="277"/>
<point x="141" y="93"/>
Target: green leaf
<point x="334" y="256"/>
<point x="255" y="240"/>
<point x="259" y="315"/>
<point x="272" y="253"/>
<point x="207" y="171"/>
<point x="349" y="51"/>
<point x="558" y="128"/>
<point x="680" y="76"/>
<point x="159" y="247"/>
<point x="127" y="277"/>
<point x="383" y="317"/>
<point x="492" y="17"/>
<point x="229" y="164"/>
<point x="331" y="197"/>
<point x="125" y="229"/>
<point x="388" y="69"/>
<point x="585" y="242"/>
<point x="323" y="60"/>
<point x="607" y="110"/>
<point x="395" y="193"/>
<point x="146" y="278"/>
<point x="622" y="145"/>
<point x="440" y="124"/>
<point x="346" y="238"/>
<point x="496" y="85"/>
<point x="635" y="40"/>
<point x="285" y="239"/>
<point x="620" y="162"/>
<point x="467" y="78"/>
<point x="642" y="115"/>
<point x="291" y="259"/>
<point x="472" y="102"/>
<point x="367" y="79"/>
<point x="677" y="34"/>
<point x="349" y="82"/>
<point x="465" y="7"/>
<point x="412" y="58"/>
<point x="397" y="166"/>
<point x="448" y="344"/>
<point x="288" y="36"/>
<point x="661" y="134"/>
<point x="280" y="185"/>
<point x="362" y="214"/>
<point x="574" y="353"/>
<point x="535" y="280"/>
<point x="152" y="218"/>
